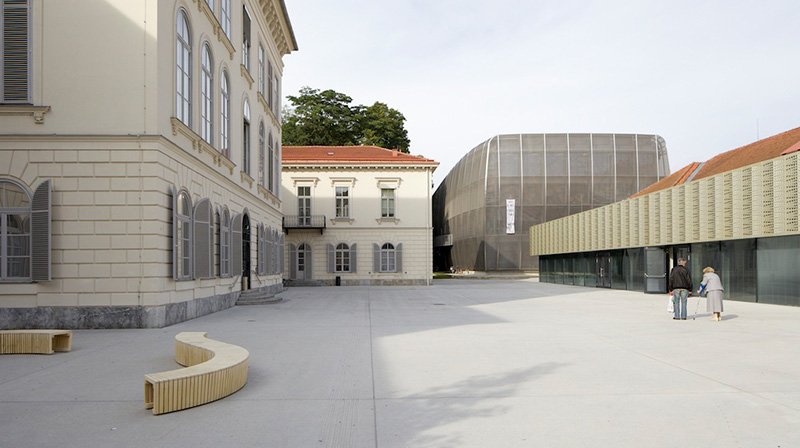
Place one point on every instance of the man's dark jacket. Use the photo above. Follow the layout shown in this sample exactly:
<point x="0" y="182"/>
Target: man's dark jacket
<point x="679" y="278"/>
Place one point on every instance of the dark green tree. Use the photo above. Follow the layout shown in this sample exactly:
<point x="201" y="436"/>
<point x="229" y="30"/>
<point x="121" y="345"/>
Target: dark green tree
<point x="321" y="118"/>
<point x="385" y="127"/>
<point x="327" y="118"/>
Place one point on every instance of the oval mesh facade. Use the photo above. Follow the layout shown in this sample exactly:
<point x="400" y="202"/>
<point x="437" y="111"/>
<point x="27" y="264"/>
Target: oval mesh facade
<point x="548" y="176"/>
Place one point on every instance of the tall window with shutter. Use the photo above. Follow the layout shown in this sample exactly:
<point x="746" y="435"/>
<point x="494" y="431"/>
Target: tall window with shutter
<point x="246" y="137"/>
<point x="202" y="232"/>
<point x="262" y="176"/>
<point x="207" y="95"/>
<point x="245" y="38"/>
<point x="261" y="70"/>
<point x="16" y="51"/>
<point x="225" y="116"/>
<point x="271" y="165"/>
<point x="225" y="243"/>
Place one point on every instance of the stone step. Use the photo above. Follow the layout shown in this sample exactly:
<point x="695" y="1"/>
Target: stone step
<point x="254" y="297"/>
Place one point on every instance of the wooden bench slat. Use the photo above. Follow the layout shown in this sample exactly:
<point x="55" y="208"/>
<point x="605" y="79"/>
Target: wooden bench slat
<point x="35" y="341"/>
<point x="213" y="370"/>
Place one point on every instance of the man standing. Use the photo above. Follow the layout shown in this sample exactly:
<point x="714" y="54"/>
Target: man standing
<point x="680" y="283"/>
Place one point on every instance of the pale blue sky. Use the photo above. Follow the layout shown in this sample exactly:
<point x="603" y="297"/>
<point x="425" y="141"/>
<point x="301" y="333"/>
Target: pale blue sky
<point x="705" y="75"/>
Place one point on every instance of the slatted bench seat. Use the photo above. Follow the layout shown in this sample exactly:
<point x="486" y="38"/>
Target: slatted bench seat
<point x="213" y="370"/>
<point x="35" y="341"/>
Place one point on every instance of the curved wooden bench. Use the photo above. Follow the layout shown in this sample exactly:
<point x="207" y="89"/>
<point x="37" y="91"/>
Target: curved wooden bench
<point x="213" y="370"/>
<point x="35" y="341"/>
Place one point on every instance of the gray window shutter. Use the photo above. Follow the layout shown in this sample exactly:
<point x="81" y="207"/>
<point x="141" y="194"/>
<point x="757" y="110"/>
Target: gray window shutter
<point x="331" y="259"/>
<point x="16" y="52"/>
<point x="41" y="233"/>
<point x="218" y="235"/>
<point x="202" y="239"/>
<point x="398" y="258"/>
<point x="236" y="245"/>
<point x="281" y="264"/>
<point x="292" y="261"/>
<point x="353" y="260"/>
<point x="174" y="192"/>
<point x="309" y="262"/>
<point x="376" y="258"/>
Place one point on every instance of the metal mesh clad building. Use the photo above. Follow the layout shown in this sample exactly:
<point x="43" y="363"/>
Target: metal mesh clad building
<point x="548" y="176"/>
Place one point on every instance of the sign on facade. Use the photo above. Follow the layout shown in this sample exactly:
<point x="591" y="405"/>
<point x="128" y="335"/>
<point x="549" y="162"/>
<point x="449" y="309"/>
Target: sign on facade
<point x="510" y="216"/>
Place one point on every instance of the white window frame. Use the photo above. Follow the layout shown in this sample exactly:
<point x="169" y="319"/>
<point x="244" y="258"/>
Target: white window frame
<point x="342" y="201"/>
<point x="184" y="244"/>
<point x="388" y="203"/>
<point x="246" y="37"/>
<point x="246" y="136"/>
<point x="207" y="95"/>
<point x="261" y="155"/>
<point x="225" y="17"/>
<point x="183" y="67"/>
<point x="225" y="116"/>
<point x="342" y="258"/>
<point x="261" y="69"/>
<point x="25" y="213"/>
<point x="271" y="164"/>
<point x="388" y="258"/>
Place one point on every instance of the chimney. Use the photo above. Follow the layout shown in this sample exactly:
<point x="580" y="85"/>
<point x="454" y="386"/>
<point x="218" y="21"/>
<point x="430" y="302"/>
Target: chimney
<point x="394" y="153"/>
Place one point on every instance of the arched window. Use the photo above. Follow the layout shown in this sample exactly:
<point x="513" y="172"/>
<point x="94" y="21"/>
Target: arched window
<point x="207" y="95"/>
<point x="261" y="174"/>
<point x="271" y="165"/>
<point x="183" y="236"/>
<point x="225" y="116"/>
<point x="246" y="137"/>
<point x="225" y="243"/>
<point x="225" y="12"/>
<point x="342" y="258"/>
<point x="15" y="232"/>
<point x="183" y="55"/>
<point x="388" y="258"/>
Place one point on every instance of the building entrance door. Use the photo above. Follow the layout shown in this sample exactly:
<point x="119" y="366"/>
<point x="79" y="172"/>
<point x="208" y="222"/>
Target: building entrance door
<point x="604" y="270"/>
<point x="303" y="268"/>
<point x="655" y="270"/>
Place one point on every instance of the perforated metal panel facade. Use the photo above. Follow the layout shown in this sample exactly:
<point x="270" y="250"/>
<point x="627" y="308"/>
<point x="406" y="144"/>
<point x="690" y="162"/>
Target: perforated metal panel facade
<point x="548" y="176"/>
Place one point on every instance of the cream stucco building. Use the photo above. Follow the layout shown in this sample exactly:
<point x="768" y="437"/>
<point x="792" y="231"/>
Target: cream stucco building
<point x="359" y="214"/>
<point x="139" y="159"/>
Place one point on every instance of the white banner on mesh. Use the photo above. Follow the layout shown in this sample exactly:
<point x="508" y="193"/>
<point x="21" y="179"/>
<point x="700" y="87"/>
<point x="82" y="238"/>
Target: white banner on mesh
<point x="510" y="216"/>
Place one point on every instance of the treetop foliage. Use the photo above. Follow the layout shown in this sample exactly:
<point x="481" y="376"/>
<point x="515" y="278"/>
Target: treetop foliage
<point x="327" y="118"/>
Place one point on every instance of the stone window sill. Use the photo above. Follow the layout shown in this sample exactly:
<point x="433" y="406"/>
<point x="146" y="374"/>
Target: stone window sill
<point x="37" y="112"/>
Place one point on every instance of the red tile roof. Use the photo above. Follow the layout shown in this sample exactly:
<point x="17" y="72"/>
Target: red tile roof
<point x="322" y="155"/>
<point x="765" y="149"/>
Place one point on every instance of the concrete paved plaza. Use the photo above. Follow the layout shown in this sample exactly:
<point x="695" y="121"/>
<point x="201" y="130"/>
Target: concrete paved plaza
<point x="464" y="363"/>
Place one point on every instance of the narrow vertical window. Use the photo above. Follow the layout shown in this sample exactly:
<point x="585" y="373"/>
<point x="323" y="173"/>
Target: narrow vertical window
<point x="245" y="38"/>
<point x="225" y="244"/>
<point x="342" y="202"/>
<point x="16" y="51"/>
<point x="183" y="71"/>
<point x="276" y="100"/>
<point x="246" y="138"/>
<point x="387" y="203"/>
<point x="261" y="70"/>
<point x="261" y="155"/>
<point x="271" y="164"/>
<point x="277" y="170"/>
<point x="225" y="117"/>
<point x="183" y="236"/>
<point x="388" y="258"/>
<point x="304" y="205"/>
<point x="269" y="84"/>
<point x="207" y="95"/>
<point x="225" y="13"/>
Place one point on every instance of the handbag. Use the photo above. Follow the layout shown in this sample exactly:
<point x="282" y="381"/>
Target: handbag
<point x="670" y="305"/>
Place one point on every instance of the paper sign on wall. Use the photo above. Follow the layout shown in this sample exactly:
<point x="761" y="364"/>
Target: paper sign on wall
<point x="510" y="216"/>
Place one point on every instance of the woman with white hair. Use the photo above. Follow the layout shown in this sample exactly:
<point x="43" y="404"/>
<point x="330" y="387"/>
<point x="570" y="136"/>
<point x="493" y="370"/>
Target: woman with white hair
<point x="713" y="287"/>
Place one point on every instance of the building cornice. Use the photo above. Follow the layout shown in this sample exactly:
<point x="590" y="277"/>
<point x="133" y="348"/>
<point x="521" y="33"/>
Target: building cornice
<point x="277" y="18"/>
